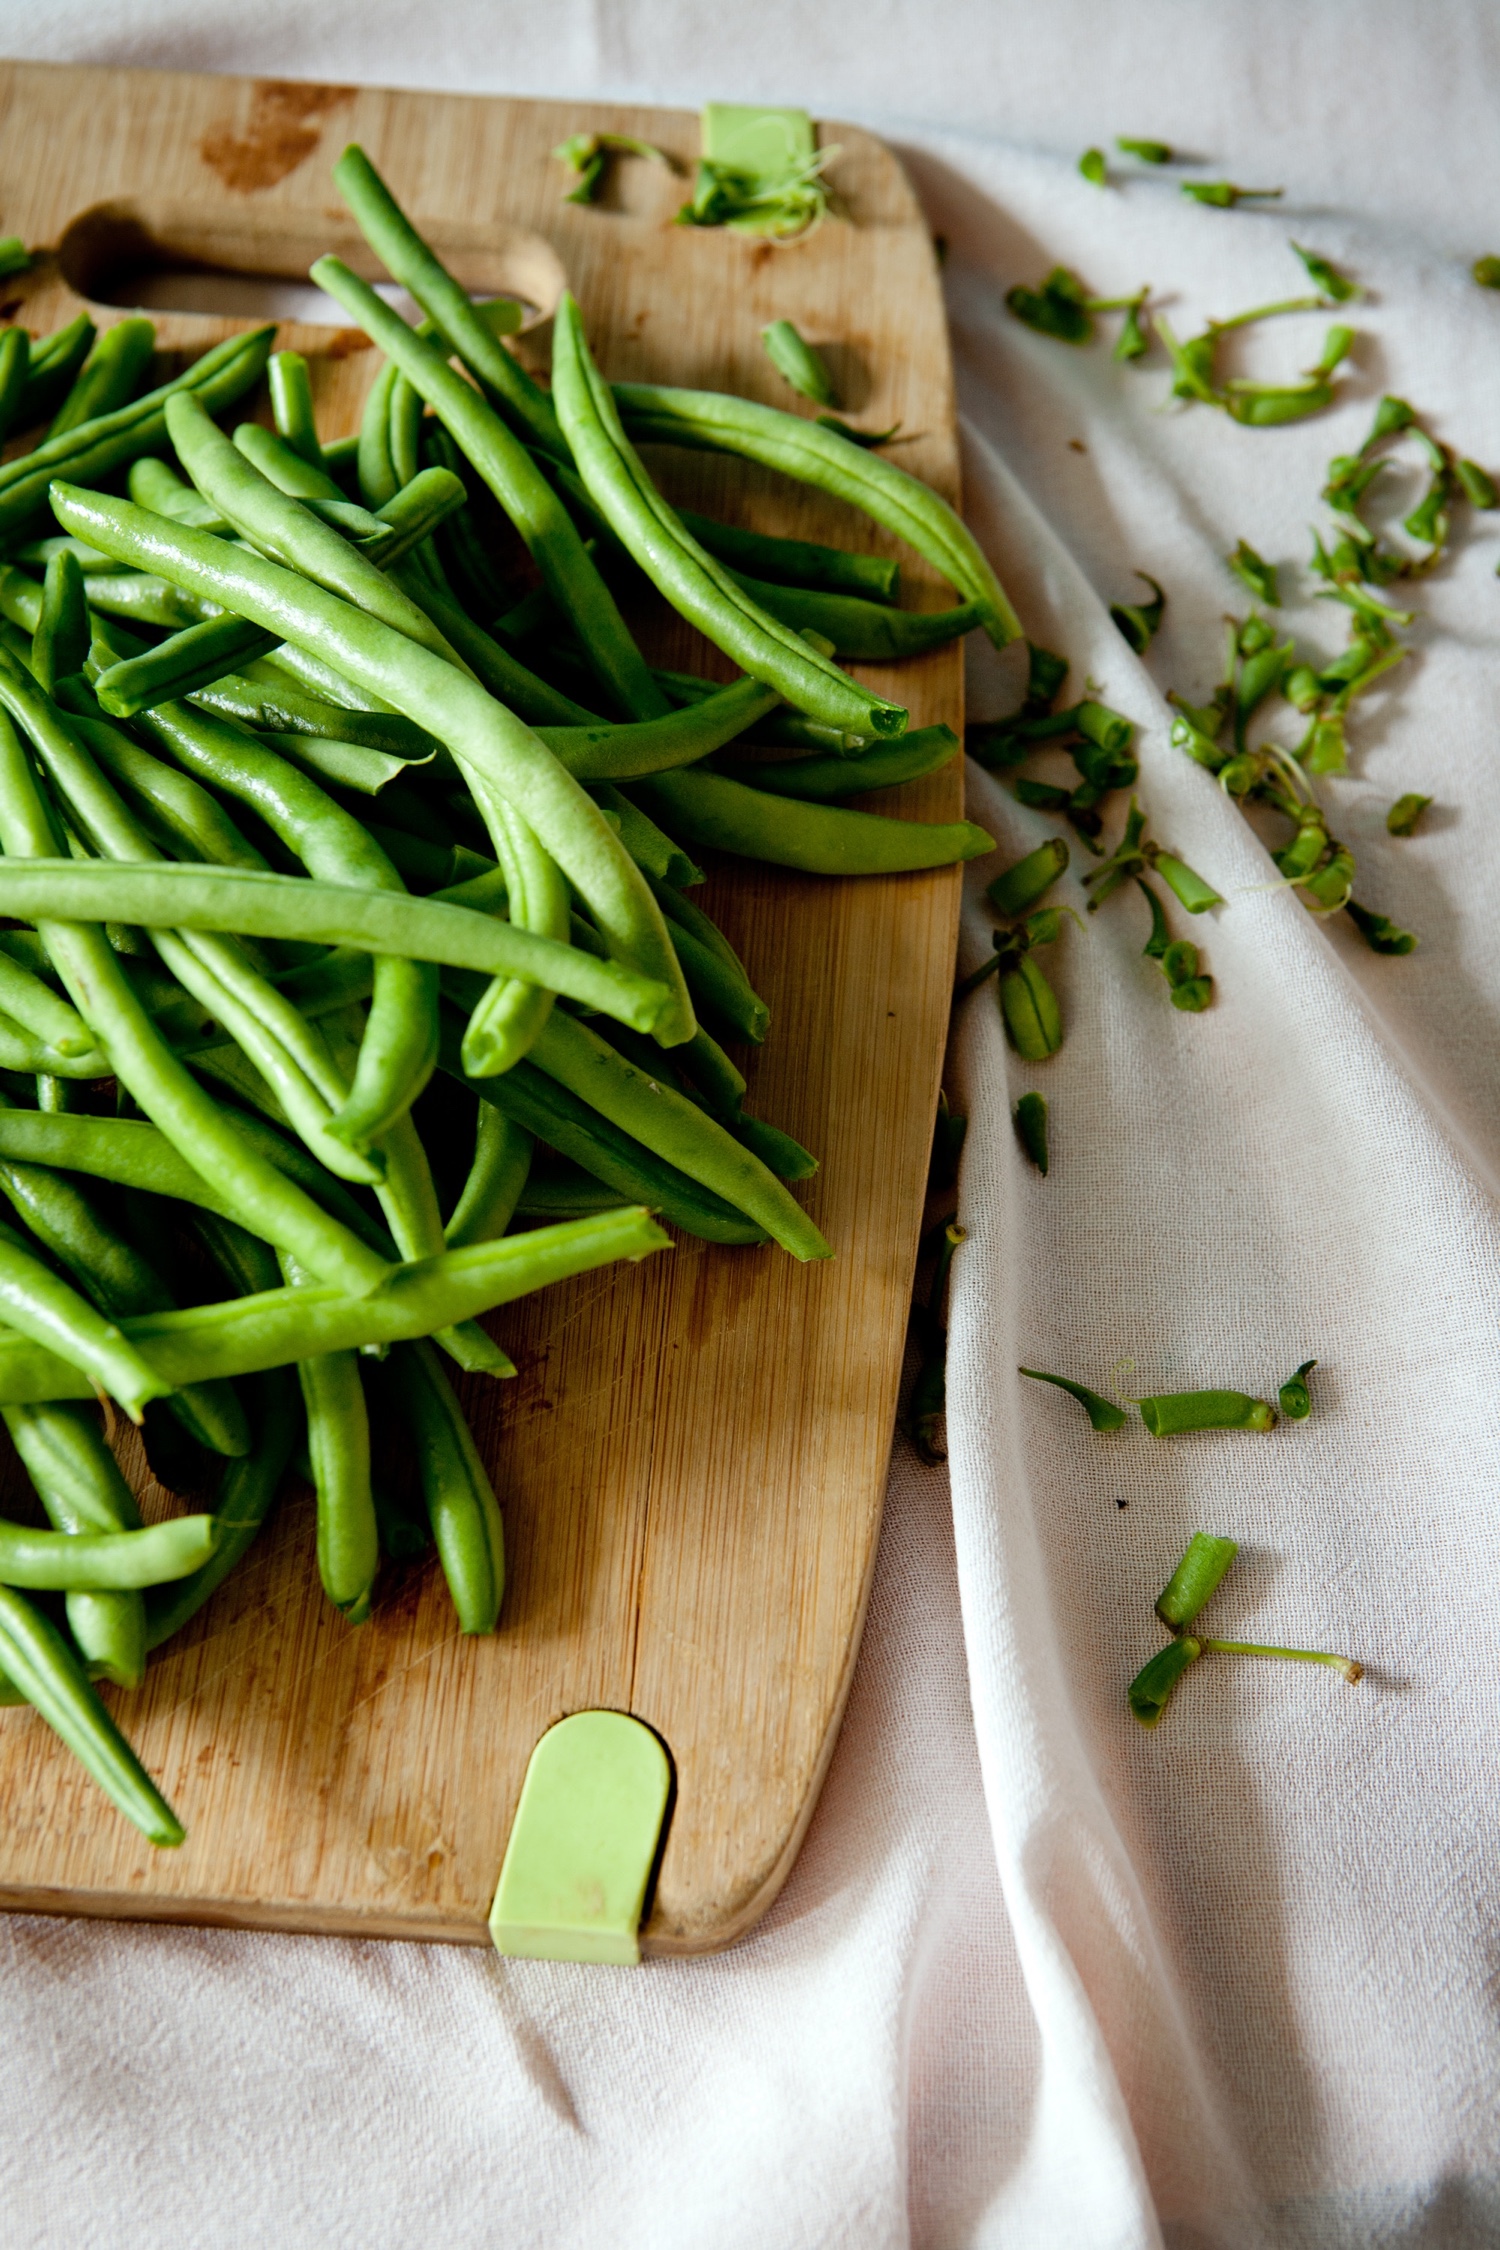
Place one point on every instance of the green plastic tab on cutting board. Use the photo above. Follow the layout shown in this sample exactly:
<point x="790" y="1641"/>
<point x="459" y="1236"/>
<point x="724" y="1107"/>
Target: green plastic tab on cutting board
<point x="583" y="1842"/>
<point x="765" y="144"/>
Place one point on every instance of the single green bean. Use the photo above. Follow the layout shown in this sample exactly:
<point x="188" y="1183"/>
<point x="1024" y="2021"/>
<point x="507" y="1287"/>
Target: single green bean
<point x="633" y="1174"/>
<point x="338" y="1446"/>
<point x="517" y="483"/>
<point x="696" y="585"/>
<point x="53" y="361"/>
<point x="861" y="631"/>
<point x="151" y="484"/>
<point x="168" y="895"/>
<point x="292" y="406"/>
<point x="280" y="708"/>
<point x="186" y="817"/>
<point x="95" y="448"/>
<point x="61" y="640"/>
<point x="488" y="741"/>
<point x="710" y="810"/>
<point x="36" y="1657"/>
<point x="15" y="365"/>
<point x="290" y="471"/>
<point x="621" y="753"/>
<point x="38" y="1303"/>
<point x="458" y="321"/>
<point x="659" y="857"/>
<point x="795" y="562"/>
<point x="1179" y="1411"/>
<point x="799" y="448"/>
<point x="105" y="999"/>
<point x="795" y="359"/>
<point x="78" y="1482"/>
<point x="676" y="1129"/>
<point x="109" y="376"/>
<point x="461" y="1504"/>
<point x="104" y="1561"/>
<point x="50" y="1018"/>
<point x="497" y="1175"/>
<point x="823" y="781"/>
<point x="245" y="1335"/>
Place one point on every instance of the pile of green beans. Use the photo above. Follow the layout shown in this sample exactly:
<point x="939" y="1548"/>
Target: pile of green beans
<point x="348" y="929"/>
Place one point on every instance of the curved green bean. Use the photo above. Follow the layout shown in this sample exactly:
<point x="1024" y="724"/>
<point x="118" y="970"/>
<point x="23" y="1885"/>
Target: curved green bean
<point x="244" y="1497"/>
<point x="822" y="781"/>
<point x="188" y="817"/>
<point x="52" y="363"/>
<point x="95" y="448"/>
<point x="152" y="484"/>
<point x="799" y="448"/>
<point x="104" y="1561"/>
<point x="78" y="1482"/>
<point x="109" y="376"/>
<point x="487" y="739"/>
<point x="461" y="325"/>
<point x="37" y="1303"/>
<point x="461" y="1504"/>
<point x="795" y="562"/>
<point x="36" y="1657"/>
<point x="502" y="1158"/>
<point x="723" y="815"/>
<point x="676" y="1129"/>
<point x="696" y="585"/>
<point x="517" y="483"/>
<point x="621" y="753"/>
<point x="861" y="631"/>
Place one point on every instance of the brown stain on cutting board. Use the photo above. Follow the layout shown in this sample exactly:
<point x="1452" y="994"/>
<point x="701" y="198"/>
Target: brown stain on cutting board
<point x="283" y="128"/>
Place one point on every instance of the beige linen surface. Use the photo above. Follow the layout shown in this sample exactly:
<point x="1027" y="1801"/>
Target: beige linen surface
<point x="1038" y="1979"/>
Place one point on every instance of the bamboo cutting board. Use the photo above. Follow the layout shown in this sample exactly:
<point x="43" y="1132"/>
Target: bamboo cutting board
<point x="692" y="1461"/>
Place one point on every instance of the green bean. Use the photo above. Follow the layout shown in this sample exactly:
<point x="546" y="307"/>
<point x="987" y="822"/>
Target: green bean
<point x="795" y="562"/>
<point x="862" y="631"/>
<point x="1173" y="1413"/>
<point x="621" y="753"/>
<point x="201" y="654"/>
<point x="152" y="484"/>
<point x="78" y="1482"/>
<point x="104" y="1561"/>
<point x="39" y="1304"/>
<point x="50" y="1018"/>
<point x="187" y="816"/>
<point x="53" y="361"/>
<point x="723" y="815"/>
<point x="290" y="471"/>
<point x="510" y="1015"/>
<point x="799" y="448"/>
<point x="244" y="1497"/>
<point x="167" y="895"/>
<point x="280" y="708"/>
<point x="716" y="975"/>
<point x="566" y="1191"/>
<point x="36" y="1657"/>
<point x="545" y="1109"/>
<point x="656" y="854"/>
<point x="676" y="1129"/>
<point x="292" y="406"/>
<point x="517" y="483"/>
<point x="488" y="741"/>
<point x="109" y="376"/>
<point x="461" y="1504"/>
<point x="105" y="999"/>
<point x="822" y="781"/>
<point x="502" y="1158"/>
<point x="109" y="442"/>
<point x="397" y="1054"/>
<point x="245" y="1335"/>
<point x="696" y="585"/>
<point x="61" y="640"/>
<point x="460" y="324"/>
<point x="338" y="1445"/>
<point x="15" y="365"/>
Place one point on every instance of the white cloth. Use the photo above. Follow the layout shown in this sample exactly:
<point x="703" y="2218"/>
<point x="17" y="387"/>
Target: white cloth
<point x="1240" y="1987"/>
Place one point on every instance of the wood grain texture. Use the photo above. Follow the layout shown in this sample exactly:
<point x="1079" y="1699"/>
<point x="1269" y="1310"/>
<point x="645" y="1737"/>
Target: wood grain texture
<point x="693" y="1458"/>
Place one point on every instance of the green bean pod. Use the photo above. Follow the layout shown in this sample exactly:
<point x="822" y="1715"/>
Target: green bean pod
<point x="710" y="810"/>
<point x="109" y="376"/>
<point x="152" y="484"/>
<point x="461" y="1504"/>
<point x="799" y="448"/>
<point x="485" y="737"/>
<point x="95" y="448"/>
<point x="190" y="821"/>
<point x="38" y="1303"/>
<point x="696" y="585"/>
<point x="622" y="753"/>
<point x="517" y="483"/>
<point x="795" y="562"/>
<point x="78" y="1482"/>
<point x="496" y="1177"/>
<point x="61" y="640"/>
<point x="823" y="781"/>
<point x="15" y="366"/>
<point x="292" y="406"/>
<point x="338" y="1446"/>
<point x="1033" y="1020"/>
<point x="52" y="363"/>
<point x="279" y="708"/>
<point x="862" y="631"/>
<point x="104" y="1561"/>
<point x="35" y="1656"/>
